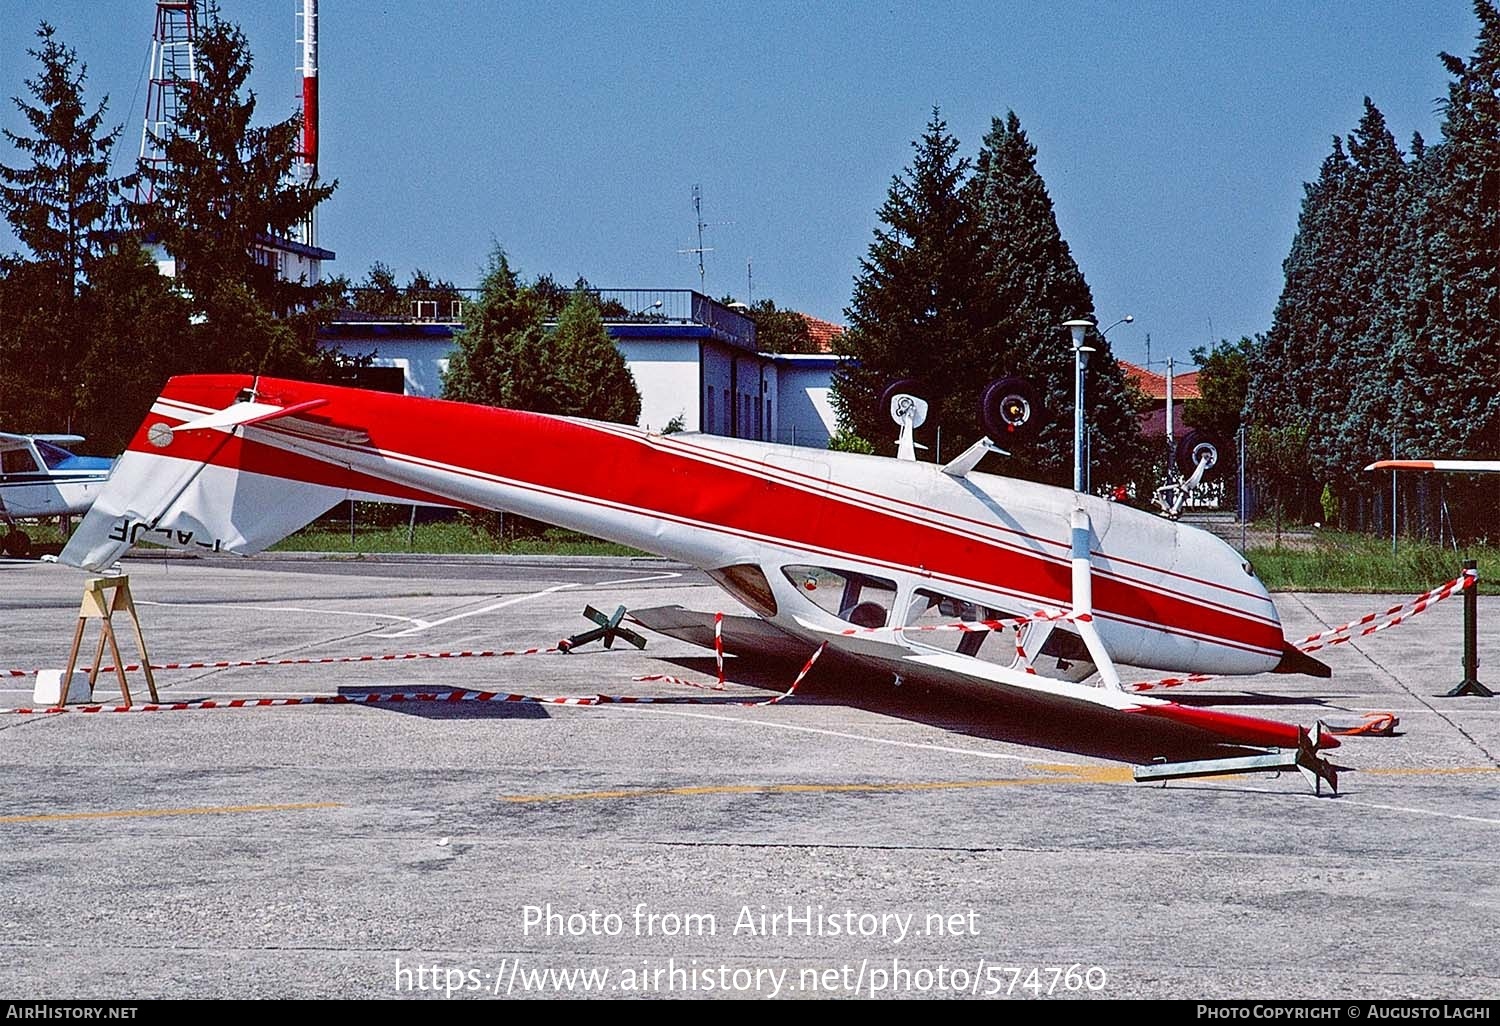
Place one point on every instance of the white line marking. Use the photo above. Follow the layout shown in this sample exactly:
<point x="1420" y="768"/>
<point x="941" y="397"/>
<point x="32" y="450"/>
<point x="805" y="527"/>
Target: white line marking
<point x="1420" y="812"/>
<point x="667" y="575"/>
<point x="284" y="609"/>
<point x="479" y="612"/>
<point x="865" y="737"/>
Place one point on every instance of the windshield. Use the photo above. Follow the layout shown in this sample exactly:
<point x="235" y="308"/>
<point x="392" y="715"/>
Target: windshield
<point x="52" y="455"/>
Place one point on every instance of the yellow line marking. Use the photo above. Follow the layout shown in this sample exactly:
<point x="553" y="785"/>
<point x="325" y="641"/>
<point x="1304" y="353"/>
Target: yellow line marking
<point x="1076" y="775"/>
<point x="213" y="810"/>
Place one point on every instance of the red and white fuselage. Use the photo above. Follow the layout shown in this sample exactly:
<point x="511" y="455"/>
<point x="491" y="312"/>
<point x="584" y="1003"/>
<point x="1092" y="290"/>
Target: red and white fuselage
<point x="1163" y="595"/>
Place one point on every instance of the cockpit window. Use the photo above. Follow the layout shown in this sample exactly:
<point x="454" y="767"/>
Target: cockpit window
<point x="17" y="461"/>
<point x="929" y="609"/>
<point x="52" y="455"/>
<point x="851" y="596"/>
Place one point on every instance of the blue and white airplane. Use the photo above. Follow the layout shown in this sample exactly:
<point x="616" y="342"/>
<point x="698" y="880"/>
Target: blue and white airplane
<point x="40" y="478"/>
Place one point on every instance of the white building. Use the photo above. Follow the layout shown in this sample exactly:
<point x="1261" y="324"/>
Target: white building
<point x="694" y="361"/>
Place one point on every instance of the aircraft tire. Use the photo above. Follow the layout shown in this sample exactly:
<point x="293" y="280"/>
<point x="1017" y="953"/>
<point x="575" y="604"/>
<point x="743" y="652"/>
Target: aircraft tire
<point x="1010" y="407"/>
<point x="1200" y="442"/>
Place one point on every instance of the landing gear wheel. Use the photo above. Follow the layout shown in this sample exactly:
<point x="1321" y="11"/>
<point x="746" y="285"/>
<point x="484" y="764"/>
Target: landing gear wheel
<point x="906" y="386"/>
<point x="1201" y="445"/>
<point x="1010" y="408"/>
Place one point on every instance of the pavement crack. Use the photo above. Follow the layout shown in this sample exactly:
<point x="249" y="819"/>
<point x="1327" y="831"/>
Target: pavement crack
<point x="1426" y="703"/>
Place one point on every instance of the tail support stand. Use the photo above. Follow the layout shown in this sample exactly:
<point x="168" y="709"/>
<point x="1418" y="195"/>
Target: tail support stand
<point x="102" y="598"/>
<point x="1470" y="684"/>
<point x="1306" y="760"/>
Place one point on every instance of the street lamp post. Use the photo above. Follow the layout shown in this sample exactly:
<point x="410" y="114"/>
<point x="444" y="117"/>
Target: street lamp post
<point x="1080" y="360"/>
<point x="1081" y="352"/>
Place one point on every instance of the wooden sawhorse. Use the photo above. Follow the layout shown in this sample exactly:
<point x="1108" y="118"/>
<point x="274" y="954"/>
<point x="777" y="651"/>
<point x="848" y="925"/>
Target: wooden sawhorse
<point x="102" y="598"/>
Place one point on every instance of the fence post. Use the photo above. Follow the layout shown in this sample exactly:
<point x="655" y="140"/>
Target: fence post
<point x="1470" y="684"/>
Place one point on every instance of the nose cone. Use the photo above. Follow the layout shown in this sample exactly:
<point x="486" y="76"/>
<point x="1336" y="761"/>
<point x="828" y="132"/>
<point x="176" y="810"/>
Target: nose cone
<point x="1292" y="659"/>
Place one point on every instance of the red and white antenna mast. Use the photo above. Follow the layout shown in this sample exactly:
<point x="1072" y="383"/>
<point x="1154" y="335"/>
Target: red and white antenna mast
<point x="174" y="73"/>
<point x="309" y="67"/>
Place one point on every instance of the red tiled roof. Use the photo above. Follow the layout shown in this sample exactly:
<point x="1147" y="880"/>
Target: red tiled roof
<point x="1154" y="385"/>
<point x="823" y="332"/>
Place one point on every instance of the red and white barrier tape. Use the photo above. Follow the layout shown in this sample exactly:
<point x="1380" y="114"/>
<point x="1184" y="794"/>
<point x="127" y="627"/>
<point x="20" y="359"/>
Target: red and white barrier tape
<point x="1368" y="624"/>
<point x="1395" y="615"/>
<point x="226" y="664"/>
<point x="268" y="703"/>
<point x="421" y="696"/>
<point x="719" y="647"/>
<point x="974" y="626"/>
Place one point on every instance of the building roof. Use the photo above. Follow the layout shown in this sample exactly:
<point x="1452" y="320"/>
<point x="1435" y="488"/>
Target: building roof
<point x="823" y="332"/>
<point x="1154" y="385"/>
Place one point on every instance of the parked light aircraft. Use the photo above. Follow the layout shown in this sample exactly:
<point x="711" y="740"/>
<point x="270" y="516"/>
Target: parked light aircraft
<point x="855" y="551"/>
<point x="40" y="478"/>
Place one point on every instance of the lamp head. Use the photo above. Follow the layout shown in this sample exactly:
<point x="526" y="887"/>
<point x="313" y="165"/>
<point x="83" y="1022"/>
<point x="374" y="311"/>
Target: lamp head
<point x="1078" y="328"/>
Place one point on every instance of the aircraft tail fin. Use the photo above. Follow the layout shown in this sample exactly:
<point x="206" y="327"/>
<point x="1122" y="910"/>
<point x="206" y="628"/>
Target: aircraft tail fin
<point x="218" y="466"/>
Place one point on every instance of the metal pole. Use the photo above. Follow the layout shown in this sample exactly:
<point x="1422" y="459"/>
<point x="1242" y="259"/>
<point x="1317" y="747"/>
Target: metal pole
<point x="1244" y="513"/>
<point x="1088" y="461"/>
<point x="1077" y="418"/>
<point x="1171" y="434"/>
<point x="1470" y="684"/>
<point x="1080" y="360"/>
<point x="1393" y="494"/>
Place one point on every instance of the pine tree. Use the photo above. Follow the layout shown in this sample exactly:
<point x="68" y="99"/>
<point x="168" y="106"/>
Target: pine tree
<point x="597" y="383"/>
<point x="57" y="205"/>
<point x="501" y="353"/>
<point x="1355" y="412"/>
<point x="139" y="333"/>
<point x="1293" y="365"/>
<point x="1456" y="357"/>
<point x="225" y="186"/>
<point x="910" y="310"/>
<point x="1029" y="286"/>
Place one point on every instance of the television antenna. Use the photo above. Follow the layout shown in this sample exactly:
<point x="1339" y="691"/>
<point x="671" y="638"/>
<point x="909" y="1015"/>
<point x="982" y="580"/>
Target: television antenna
<point x="700" y="249"/>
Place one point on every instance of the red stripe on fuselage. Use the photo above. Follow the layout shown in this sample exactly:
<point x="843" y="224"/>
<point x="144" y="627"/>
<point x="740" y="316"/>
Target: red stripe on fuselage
<point x="577" y="458"/>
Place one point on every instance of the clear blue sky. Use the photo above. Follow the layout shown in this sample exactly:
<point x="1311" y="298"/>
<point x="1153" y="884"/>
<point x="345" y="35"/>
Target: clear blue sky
<point x="1174" y="137"/>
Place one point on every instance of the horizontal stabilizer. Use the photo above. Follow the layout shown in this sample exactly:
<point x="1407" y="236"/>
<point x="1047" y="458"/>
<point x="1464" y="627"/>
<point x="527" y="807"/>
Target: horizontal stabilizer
<point x="248" y="413"/>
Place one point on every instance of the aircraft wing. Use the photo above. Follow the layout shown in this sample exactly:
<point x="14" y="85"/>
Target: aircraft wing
<point x="14" y="441"/>
<point x="1232" y="727"/>
<point x="743" y="635"/>
<point x="1450" y="466"/>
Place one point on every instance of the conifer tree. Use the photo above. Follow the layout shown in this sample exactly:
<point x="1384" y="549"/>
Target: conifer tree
<point x="910" y="309"/>
<point x="57" y="205"/>
<point x="1029" y="285"/>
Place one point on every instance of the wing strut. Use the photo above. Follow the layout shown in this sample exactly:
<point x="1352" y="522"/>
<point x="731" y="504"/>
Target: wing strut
<point x="1083" y="600"/>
